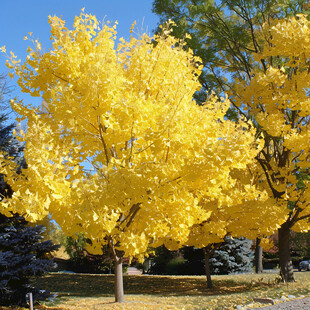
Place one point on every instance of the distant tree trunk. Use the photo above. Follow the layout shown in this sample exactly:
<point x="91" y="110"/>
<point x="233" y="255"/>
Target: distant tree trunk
<point x="118" y="280"/>
<point x="208" y="253"/>
<point x="286" y="266"/>
<point x="258" y="257"/>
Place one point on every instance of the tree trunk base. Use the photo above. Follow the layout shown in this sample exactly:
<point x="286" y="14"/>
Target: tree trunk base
<point x="286" y="266"/>
<point x="208" y="253"/>
<point x="258" y="257"/>
<point x="118" y="281"/>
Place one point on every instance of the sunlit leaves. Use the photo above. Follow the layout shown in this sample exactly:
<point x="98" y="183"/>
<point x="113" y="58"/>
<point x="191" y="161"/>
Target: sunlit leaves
<point x="278" y="98"/>
<point x="119" y="149"/>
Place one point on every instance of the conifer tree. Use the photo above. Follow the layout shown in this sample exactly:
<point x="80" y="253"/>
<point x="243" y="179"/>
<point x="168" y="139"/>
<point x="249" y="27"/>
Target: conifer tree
<point x="233" y="256"/>
<point x="23" y="255"/>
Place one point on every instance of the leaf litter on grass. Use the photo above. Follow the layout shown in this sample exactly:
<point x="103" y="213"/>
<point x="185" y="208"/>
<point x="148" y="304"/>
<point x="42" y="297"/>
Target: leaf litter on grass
<point x="83" y="291"/>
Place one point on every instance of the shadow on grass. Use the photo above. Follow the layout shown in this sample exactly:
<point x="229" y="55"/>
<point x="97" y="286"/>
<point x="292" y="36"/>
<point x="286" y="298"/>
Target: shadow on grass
<point x="88" y="285"/>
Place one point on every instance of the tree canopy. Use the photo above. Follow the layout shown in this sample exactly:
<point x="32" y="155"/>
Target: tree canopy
<point x="256" y="51"/>
<point x="224" y="33"/>
<point x="120" y="150"/>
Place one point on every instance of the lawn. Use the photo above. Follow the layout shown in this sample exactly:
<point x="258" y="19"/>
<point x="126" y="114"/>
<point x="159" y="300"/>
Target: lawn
<point x="85" y="291"/>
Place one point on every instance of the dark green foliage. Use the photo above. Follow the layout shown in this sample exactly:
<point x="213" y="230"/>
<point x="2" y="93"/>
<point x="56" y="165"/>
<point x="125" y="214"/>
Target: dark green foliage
<point x="175" y="266"/>
<point x="75" y="247"/>
<point x="83" y="262"/>
<point x="22" y="256"/>
<point x="233" y="256"/>
<point x="224" y="33"/>
<point x="194" y="261"/>
<point x="166" y="262"/>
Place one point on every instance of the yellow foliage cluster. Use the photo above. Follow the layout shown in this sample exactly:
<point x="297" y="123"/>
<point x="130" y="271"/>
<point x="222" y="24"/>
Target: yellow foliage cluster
<point x="121" y="151"/>
<point x="278" y="98"/>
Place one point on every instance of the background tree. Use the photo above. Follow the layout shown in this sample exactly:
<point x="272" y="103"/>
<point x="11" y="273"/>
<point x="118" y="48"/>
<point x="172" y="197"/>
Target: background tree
<point x="8" y="143"/>
<point x="228" y="35"/>
<point x="224" y="36"/>
<point x="22" y="256"/>
<point x="224" y="33"/>
<point x="233" y="256"/>
<point x="82" y="261"/>
<point x="277" y="97"/>
<point x="167" y="262"/>
<point x="300" y="245"/>
<point x="153" y="152"/>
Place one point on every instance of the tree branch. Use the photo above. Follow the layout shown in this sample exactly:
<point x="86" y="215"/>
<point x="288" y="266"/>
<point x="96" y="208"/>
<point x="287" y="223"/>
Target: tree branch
<point x="101" y="130"/>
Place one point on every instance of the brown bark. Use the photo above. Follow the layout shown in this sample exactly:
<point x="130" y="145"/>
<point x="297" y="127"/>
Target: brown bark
<point x="258" y="257"/>
<point x="118" y="279"/>
<point x="118" y="271"/>
<point x="286" y="266"/>
<point x="207" y="253"/>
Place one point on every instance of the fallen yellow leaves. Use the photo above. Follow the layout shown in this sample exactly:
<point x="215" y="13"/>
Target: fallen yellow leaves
<point x="82" y="291"/>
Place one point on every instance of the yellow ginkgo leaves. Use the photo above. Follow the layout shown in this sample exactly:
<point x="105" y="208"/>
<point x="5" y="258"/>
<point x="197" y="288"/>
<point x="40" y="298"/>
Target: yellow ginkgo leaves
<point x="121" y="151"/>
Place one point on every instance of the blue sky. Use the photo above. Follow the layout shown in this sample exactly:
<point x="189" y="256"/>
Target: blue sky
<point x="18" y="17"/>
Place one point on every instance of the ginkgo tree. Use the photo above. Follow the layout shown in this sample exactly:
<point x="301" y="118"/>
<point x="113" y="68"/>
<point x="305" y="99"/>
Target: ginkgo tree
<point x="121" y="151"/>
<point x="268" y="87"/>
<point x="278" y="98"/>
<point x="227" y="35"/>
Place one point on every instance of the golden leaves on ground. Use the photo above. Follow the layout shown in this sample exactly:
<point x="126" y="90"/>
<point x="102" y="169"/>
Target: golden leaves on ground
<point x="179" y="292"/>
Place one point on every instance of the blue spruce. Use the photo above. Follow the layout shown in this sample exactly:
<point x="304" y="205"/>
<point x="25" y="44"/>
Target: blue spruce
<point x="233" y="256"/>
<point x="23" y="256"/>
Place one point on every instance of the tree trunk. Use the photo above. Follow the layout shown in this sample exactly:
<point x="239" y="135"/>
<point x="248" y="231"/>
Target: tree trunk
<point x="286" y="266"/>
<point x="207" y="253"/>
<point x="118" y="280"/>
<point x="258" y="257"/>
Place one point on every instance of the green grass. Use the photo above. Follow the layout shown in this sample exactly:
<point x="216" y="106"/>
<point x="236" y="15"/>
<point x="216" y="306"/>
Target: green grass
<point x="84" y="291"/>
